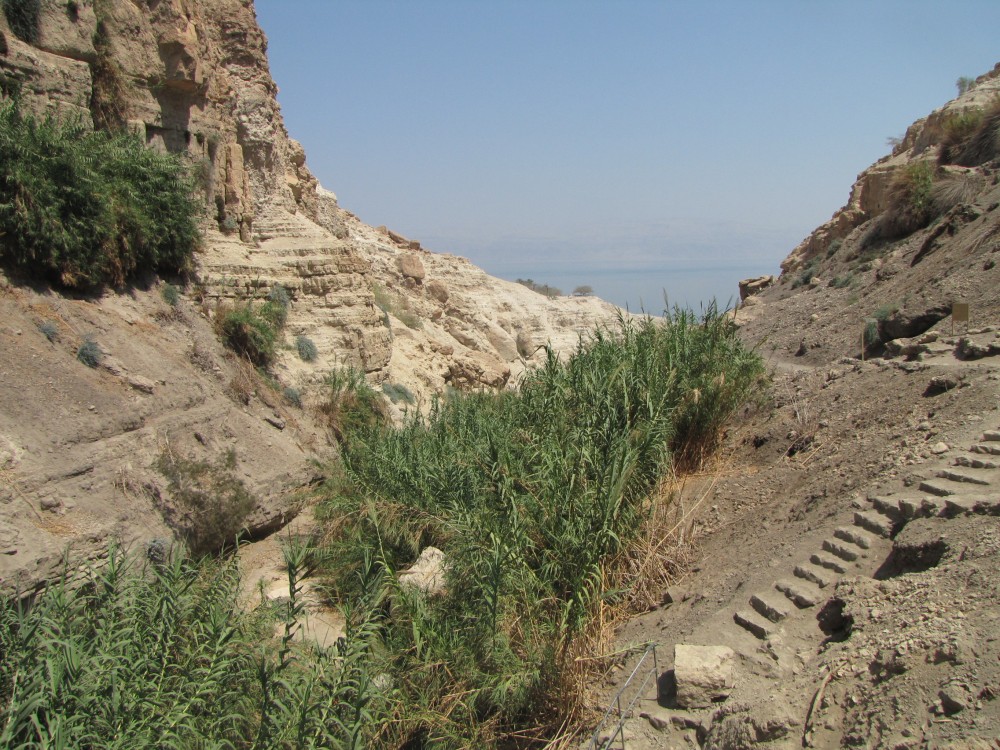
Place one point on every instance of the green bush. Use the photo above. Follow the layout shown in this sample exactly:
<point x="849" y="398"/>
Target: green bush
<point x="85" y="208"/>
<point x="89" y="353"/>
<point x="397" y="392"/>
<point x="306" y="349"/>
<point x="251" y="333"/>
<point x="351" y="406"/>
<point x="535" y="497"/>
<point x="292" y="396"/>
<point x="209" y="502"/>
<point x="49" y="330"/>
<point x="171" y="295"/>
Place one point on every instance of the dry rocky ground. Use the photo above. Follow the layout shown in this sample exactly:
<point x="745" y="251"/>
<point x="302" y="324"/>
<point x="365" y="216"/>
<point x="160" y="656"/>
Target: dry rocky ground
<point x="846" y="543"/>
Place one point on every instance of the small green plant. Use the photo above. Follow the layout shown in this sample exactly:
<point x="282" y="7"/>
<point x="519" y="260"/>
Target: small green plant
<point x="390" y="304"/>
<point x="410" y="319"/>
<point x="882" y="313"/>
<point x="49" y="330"/>
<point x="964" y="83"/>
<point x="90" y="353"/>
<point x="871" y="336"/>
<point x="398" y="393"/>
<point x="351" y="405"/>
<point x="843" y="281"/>
<point x="293" y="396"/>
<point x="171" y="295"/>
<point x="806" y="274"/>
<point x="279" y="296"/>
<point x="834" y="247"/>
<point x="249" y="333"/>
<point x="306" y="348"/>
<point x="209" y="502"/>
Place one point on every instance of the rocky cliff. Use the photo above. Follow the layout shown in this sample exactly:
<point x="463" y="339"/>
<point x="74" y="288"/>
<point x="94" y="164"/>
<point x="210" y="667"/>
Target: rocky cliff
<point x="85" y="453"/>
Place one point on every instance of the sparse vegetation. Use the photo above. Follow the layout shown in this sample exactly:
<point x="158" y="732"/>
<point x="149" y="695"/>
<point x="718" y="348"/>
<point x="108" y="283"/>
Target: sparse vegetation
<point x="964" y="83"/>
<point x="208" y="502"/>
<point x="843" y="281"/>
<point x="953" y="190"/>
<point x="351" y="405"/>
<point x="171" y="295"/>
<point x="910" y="205"/>
<point x="834" y="247"/>
<point x="292" y="396"/>
<point x="584" y="290"/>
<point x="85" y="208"/>
<point x="49" y="330"/>
<point x="306" y="348"/>
<point x="252" y="330"/>
<point x="391" y="304"/>
<point x="806" y="274"/>
<point x="398" y="393"/>
<point x="534" y="497"/>
<point x="972" y="137"/>
<point x="90" y="353"/>
<point x="544" y="289"/>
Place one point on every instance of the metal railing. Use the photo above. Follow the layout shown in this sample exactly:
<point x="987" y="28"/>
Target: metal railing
<point x="650" y="671"/>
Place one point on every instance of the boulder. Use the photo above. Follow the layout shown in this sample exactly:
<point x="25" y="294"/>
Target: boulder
<point x="704" y="674"/>
<point x="411" y="267"/>
<point x="756" y="285"/>
<point x="438" y="290"/>
<point x="427" y="573"/>
<point x="475" y="370"/>
<point x="904" y="324"/>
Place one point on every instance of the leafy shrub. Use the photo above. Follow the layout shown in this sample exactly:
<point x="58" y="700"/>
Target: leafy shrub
<point x="806" y="274"/>
<point x="964" y="83"/>
<point x="88" y="208"/>
<point x="293" y="396"/>
<point x="306" y="349"/>
<point x="871" y="336"/>
<point x="49" y="330"/>
<point x="279" y="296"/>
<point x="910" y="206"/>
<point x="834" y="247"/>
<point x="23" y="16"/>
<point x="534" y="496"/>
<point x="351" y="406"/>
<point x="171" y="295"/>
<point x="250" y="333"/>
<point x="397" y="392"/>
<point x="90" y="353"/>
<point x="210" y="503"/>
<point x="843" y="281"/>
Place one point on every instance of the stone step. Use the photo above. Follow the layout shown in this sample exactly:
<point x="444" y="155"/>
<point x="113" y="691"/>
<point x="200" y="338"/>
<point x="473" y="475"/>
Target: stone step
<point x="986" y="448"/>
<point x="830" y="563"/>
<point x="754" y="623"/>
<point x="971" y="462"/>
<point x="887" y="506"/>
<point x="962" y="476"/>
<point x="943" y="487"/>
<point x="874" y="522"/>
<point x="772" y="610"/>
<point x="811" y="573"/>
<point x="855" y="536"/>
<point x="801" y="594"/>
<point x="962" y="505"/>
<point x="841" y="550"/>
<point x="991" y="436"/>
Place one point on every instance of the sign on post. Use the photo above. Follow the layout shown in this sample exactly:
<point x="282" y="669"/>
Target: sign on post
<point x="959" y="314"/>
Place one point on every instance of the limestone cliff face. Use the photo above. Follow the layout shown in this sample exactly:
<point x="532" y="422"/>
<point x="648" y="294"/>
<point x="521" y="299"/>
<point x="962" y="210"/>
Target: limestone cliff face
<point x="82" y="450"/>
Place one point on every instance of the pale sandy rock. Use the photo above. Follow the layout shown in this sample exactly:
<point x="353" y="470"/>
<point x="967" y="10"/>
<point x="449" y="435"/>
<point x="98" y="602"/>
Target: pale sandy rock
<point x="438" y="290"/>
<point x="427" y="572"/>
<point x="755" y="285"/>
<point x="704" y="674"/>
<point x="411" y="267"/>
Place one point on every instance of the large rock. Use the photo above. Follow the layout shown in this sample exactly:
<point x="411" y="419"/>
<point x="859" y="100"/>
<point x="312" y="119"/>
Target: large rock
<point x="704" y="674"/>
<point x="756" y="285"/>
<point x="411" y="267"/>
<point x="427" y="573"/>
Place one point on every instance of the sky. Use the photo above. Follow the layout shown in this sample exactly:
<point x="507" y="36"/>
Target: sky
<point x="638" y="147"/>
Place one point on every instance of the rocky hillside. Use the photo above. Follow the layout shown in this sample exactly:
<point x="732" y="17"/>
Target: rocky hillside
<point x="93" y="454"/>
<point x="839" y="590"/>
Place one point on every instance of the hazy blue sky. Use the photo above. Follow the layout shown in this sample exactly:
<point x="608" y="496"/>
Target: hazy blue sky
<point x="634" y="146"/>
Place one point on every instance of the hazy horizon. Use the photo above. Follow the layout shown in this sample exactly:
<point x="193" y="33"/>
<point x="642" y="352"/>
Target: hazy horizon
<point x="624" y="145"/>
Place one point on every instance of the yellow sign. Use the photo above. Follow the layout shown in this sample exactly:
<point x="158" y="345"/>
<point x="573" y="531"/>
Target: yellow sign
<point x="960" y="312"/>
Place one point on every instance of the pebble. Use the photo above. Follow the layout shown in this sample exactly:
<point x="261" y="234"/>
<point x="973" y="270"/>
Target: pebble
<point x="939" y="448"/>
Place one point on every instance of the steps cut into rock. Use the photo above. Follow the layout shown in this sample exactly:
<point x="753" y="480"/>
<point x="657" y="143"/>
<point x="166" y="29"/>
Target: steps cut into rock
<point x="991" y="436"/>
<point x="754" y="623"/>
<point x="986" y="448"/>
<point x="800" y="593"/>
<point x="773" y="610"/>
<point x="972" y="462"/>
<point x="854" y="535"/>
<point x="875" y="522"/>
<point x="828" y="562"/>
<point x="843" y="551"/>
<point x="943" y="487"/>
<point x="962" y="477"/>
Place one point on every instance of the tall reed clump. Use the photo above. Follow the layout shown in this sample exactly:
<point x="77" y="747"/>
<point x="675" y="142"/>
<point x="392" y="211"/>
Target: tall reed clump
<point x="86" y="208"/>
<point x="163" y="656"/>
<point x="533" y="496"/>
